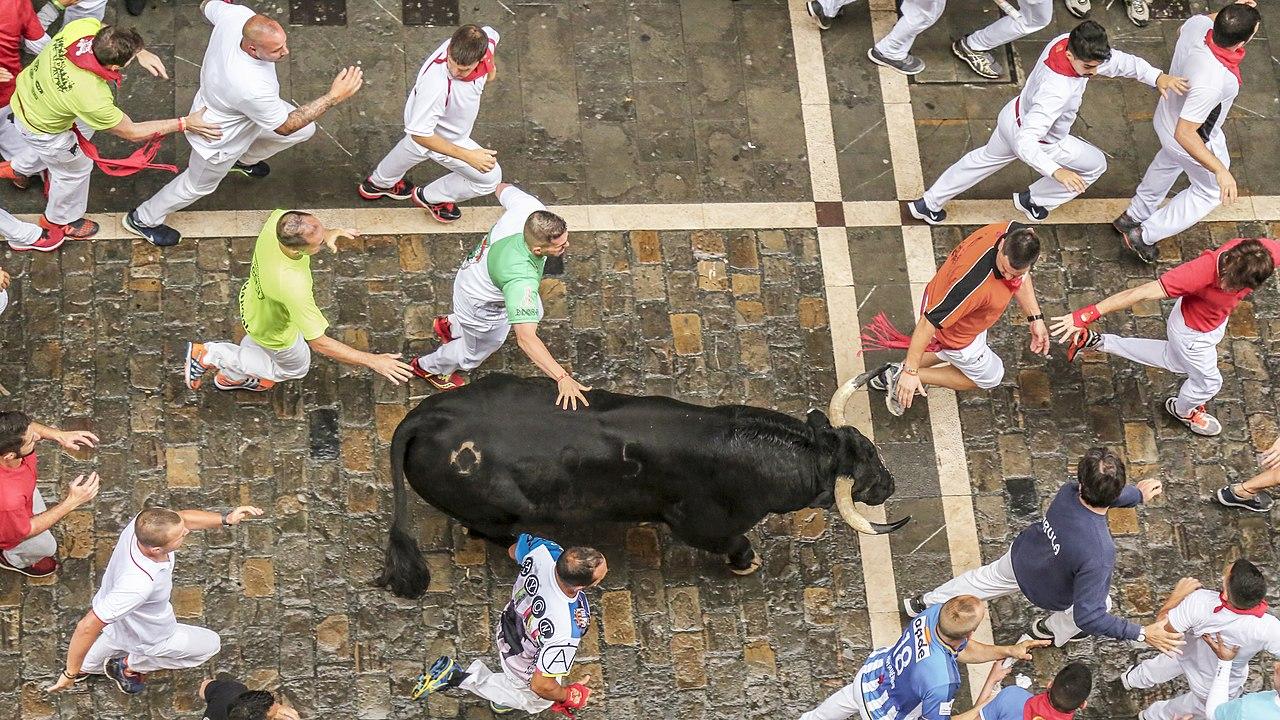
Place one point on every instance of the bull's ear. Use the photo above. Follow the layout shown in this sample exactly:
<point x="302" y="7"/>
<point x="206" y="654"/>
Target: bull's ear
<point x="817" y="420"/>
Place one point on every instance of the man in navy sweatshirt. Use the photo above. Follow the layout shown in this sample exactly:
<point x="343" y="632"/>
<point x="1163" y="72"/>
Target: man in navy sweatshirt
<point x="1063" y="563"/>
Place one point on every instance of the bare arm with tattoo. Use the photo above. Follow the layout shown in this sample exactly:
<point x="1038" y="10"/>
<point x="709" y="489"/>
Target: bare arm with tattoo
<point x="344" y="86"/>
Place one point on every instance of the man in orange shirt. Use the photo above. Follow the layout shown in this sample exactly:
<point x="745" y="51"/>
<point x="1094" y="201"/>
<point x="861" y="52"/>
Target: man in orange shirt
<point x="966" y="296"/>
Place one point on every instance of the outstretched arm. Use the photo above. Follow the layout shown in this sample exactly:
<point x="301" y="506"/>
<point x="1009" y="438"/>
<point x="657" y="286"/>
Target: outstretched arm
<point x="570" y="391"/>
<point x="1066" y="326"/>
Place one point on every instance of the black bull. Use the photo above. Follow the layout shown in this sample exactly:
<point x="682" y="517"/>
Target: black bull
<point x="498" y="454"/>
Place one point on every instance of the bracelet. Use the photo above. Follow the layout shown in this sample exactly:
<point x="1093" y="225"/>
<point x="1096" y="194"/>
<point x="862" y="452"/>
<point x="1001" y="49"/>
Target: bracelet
<point x="562" y="376"/>
<point x="182" y="124"/>
<point x="224" y="518"/>
<point x="76" y="677"/>
<point x="911" y="371"/>
<point x="1033" y="318"/>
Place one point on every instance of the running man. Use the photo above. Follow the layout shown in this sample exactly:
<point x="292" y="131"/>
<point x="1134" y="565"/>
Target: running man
<point x="537" y="635"/>
<point x="497" y="288"/>
<point x="918" y="676"/>
<point x="1035" y="127"/>
<point x="1208" y="54"/>
<point x="1207" y="289"/>
<point x="239" y="87"/>
<point x="281" y="321"/>
<point x="438" y="118"/>
<point x="1237" y="615"/>
<point x="964" y="299"/>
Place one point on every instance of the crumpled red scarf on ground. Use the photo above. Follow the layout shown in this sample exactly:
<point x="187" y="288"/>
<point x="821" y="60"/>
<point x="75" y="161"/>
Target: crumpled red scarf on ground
<point x="1039" y="708"/>
<point x="1230" y="59"/>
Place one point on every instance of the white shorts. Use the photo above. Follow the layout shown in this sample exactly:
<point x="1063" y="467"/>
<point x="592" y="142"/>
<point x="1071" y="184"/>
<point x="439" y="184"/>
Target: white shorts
<point x="977" y="361"/>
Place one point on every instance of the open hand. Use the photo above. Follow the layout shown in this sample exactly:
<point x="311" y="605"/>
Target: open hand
<point x="76" y="439"/>
<point x="244" y="511"/>
<point x="348" y="81"/>
<point x="336" y="234"/>
<point x="1220" y="648"/>
<point x="5" y="76"/>
<point x="1172" y="84"/>
<point x="207" y="130"/>
<point x="1064" y="328"/>
<point x="1040" y="338"/>
<point x="63" y="683"/>
<point x="908" y="386"/>
<point x="391" y="367"/>
<point x="4" y="279"/>
<point x="150" y="62"/>
<point x="570" y="393"/>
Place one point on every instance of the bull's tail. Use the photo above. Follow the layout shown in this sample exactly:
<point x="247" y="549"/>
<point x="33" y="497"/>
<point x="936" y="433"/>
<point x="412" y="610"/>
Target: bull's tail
<point x="403" y="571"/>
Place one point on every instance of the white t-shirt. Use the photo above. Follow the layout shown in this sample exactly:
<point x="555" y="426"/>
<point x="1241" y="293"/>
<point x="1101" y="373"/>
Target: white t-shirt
<point x="1213" y="87"/>
<point x="1195" y="616"/>
<point x="441" y="105"/>
<point x="541" y="626"/>
<point x="483" y="301"/>
<point x="240" y="92"/>
<point x="134" y="597"/>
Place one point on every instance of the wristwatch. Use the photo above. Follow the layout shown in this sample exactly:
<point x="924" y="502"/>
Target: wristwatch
<point x="1033" y="318"/>
<point x="1142" y="636"/>
<point x="225" y="513"/>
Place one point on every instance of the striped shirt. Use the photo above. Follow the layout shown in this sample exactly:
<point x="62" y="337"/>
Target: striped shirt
<point x="968" y="294"/>
<point x="915" y="678"/>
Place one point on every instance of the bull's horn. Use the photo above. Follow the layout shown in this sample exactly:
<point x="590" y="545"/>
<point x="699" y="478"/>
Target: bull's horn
<point x="835" y="411"/>
<point x="844" y="503"/>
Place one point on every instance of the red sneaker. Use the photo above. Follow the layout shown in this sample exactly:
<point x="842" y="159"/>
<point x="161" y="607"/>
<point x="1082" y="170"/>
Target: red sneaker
<point x="452" y="381"/>
<point x="442" y="328"/>
<point x="445" y="212"/>
<point x="43" y="567"/>
<point x="49" y="241"/>
<point x="7" y="173"/>
<point x="252" y="384"/>
<point x="81" y="229"/>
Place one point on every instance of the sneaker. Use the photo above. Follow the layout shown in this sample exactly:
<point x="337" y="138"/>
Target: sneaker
<point x="402" y="190"/>
<point x="1079" y="8"/>
<point x="116" y="668"/>
<point x="891" y="390"/>
<point x="195" y="367"/>
<point x="1086" y="340"/>
<point x="1125" y="222"/>
<point x="871" y="376"/>
<point x="1199" y="421"/>
<point x="49" y="241"/>
<point x="252" y="384"/>
<point x="257" y="171"/>
<point x="442" y="328"/>
<point x="982" y="62"/>
<point x="1034" y="212"/>
<point x="81" y="229"/>
<point x="1040" y="631"/>
<point x="919" y="210"/>
<point x="159" y="235"/>
<point x="880" y="381"/>
<point x="442" y="675"/>
<point x="43" y="567"/>
<point x="815" y="12"/>
<point x="909" y="65"/>
<point x="913" y="606"/>
<point x="445" y="212"/>
<point x="1139" y="12"/>
<point x="135" y="7"/>
<point x="1259" y="502"/>
<point x="452" y="381"/>
<point x="8" y="173"/>
<point x="1124" y="682"/>
<point x="500" y="709"/>
<point x="1132" y="239"/>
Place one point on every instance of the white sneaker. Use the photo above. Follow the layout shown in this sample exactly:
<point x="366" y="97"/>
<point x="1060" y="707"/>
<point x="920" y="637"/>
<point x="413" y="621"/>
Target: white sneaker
<point x="1199" y="421"/>
<point x="1139" y="12"/>
<point x="1079" y="8"/>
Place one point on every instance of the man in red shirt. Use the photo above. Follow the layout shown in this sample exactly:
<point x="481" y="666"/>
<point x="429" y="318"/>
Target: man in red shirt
<point x="26" y="545"/>
<point x="1207" y="289"/>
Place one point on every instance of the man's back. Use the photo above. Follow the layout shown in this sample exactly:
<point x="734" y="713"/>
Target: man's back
<point x="276" y="302"/>
<point x="52" y="92"/>
<point x="915" y="678"/>
<point x="1213" y="87"/>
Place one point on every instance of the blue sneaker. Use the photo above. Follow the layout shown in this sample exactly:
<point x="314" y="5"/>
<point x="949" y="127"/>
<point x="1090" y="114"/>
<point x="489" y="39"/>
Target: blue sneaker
<point x="115" y="668"/>
<point x="920" y="211"/>
<point x="442" y="675"/>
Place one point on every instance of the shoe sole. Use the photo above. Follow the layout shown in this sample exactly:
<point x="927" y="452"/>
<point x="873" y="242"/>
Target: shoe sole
<point x="22" y="571"/>
<point x="911" y="209"/>
<point x="68" y="235"/>
<point x="434" y="683"/>
<point x="380" y="194"/>
<point x="1081" y="15"/>
<point x="186" y="370"/>
<point x="809" y="9"/>
<point x="128" y="226"/>
<point x="1017" y="202"/>
<point x="33" y="248"/>
<point x="871" y="56"/>
<point x="906" y="608"/>
<point x="964" y="58"/>
<point x="418" y="201"/>
<point x="1231" y="503"/>
<point x="220" y="386"/>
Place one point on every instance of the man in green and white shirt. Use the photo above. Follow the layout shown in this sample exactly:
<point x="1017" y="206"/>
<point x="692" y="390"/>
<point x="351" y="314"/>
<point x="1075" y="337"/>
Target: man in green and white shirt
<point x="497" y="288"/>
<point x="281" y="320"/>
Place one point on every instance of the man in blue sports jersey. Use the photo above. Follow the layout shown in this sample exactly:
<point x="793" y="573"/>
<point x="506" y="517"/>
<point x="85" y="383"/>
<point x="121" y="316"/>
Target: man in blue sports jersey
<point x="1068" y="693"/>
<point x="918" y="676"/>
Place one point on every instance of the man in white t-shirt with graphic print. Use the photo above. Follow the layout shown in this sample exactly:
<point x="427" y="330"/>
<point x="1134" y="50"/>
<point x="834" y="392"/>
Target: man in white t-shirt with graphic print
<point x="537" y="636"/>
<point x="239" y="88"/>
<point x="131" y="630"/>
<point x="1238" y="615"/>
<point x="1208" y="54"/>
<point x="438" y="118"/>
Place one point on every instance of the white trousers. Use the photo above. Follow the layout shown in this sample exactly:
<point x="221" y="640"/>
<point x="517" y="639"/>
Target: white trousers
<point x="33" y="550"/>
<point x="845" y="703"/>
<point x="1036" y="15"/>
<point x="504" y="689"/>
<point x="11" y="142"/>
<point x="473" y="341"/>
<point x="917" y="16"/>
<point x="16" y="231"/>
<point x="187" y="647"/>
<point x="1158" y="670"/>
<point x="981" y="163"/>
<point x="68" y="170"/>
<point x="831" y="8"/>
<point x="1186" y="352"/>
<point x="977" y="361"/>
<point x="249" y="359"/>
<point x="995" y="581"/>
<point x="462" y="183"/>
<point x="83" y="9"/>
<point x="1187" y="207"/>
<point x="203" y="175"/>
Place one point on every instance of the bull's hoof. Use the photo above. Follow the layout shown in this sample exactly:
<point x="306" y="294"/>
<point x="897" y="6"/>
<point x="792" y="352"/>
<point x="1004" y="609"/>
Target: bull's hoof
<point x="751" y="567"/>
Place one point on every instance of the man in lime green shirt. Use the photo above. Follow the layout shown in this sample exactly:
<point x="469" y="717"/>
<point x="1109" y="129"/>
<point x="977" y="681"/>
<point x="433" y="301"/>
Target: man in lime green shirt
<point x="69" y="82"/>
<point x="281" y="321"/>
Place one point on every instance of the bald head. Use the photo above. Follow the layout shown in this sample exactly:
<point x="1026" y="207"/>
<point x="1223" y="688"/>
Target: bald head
<point x="960" y="616"/>
<point x="264" y="39"/>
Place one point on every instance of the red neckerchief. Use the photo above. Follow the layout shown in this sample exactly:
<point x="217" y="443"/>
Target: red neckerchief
<point x="80" y="53"/>
<point x="483" y="68"/>
<point x="1039" y="708"/>
<point x="1058" y="60"/>
<point x="1230" y="59"/>
<point x="1257" y="610"/>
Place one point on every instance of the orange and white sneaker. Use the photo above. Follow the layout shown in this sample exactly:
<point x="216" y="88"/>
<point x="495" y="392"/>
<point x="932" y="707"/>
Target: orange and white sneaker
<point x="81" y="229"/>
<point x="452" y="381"/>
<point x="195" y="367"/>
<point x="1199" y="421"/>
<point x="252" y="384"/>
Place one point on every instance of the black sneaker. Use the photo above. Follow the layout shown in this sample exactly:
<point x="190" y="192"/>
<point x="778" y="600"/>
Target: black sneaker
<point x="1260" y="502"/>
<point x="114" y="668"/>
<point x="920" y="211"/>
<point x="1132" y="239"/>
<point x="982" y="62"/>
<point x="1034" y="212"/>
<point x="402" y="190"/>
<point x="159" y="235"/>
<point x="257" y="171"/>
<point x="1125" y="222"/>
<point x="815" y="12"/>
<point x="870" y="376"/>
<point x="913" y="606"/>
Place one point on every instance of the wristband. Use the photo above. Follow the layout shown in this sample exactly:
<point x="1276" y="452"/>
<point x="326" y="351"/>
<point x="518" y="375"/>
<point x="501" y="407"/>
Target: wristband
<point x="224" y="518"/>
<point x="1085" y="316"/>
<point x="911" y="371"/>
<point x="182" y="124"/>
<point x="1033" y="318"/>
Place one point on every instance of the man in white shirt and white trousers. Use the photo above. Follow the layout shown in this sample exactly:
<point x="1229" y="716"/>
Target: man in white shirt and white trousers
<point x="1208" y="53"/>
<point x="438" y="118"/>
<point x="1035" y="127"/>
<point x="241" y="94"/>
<point x="131" y="629"/>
